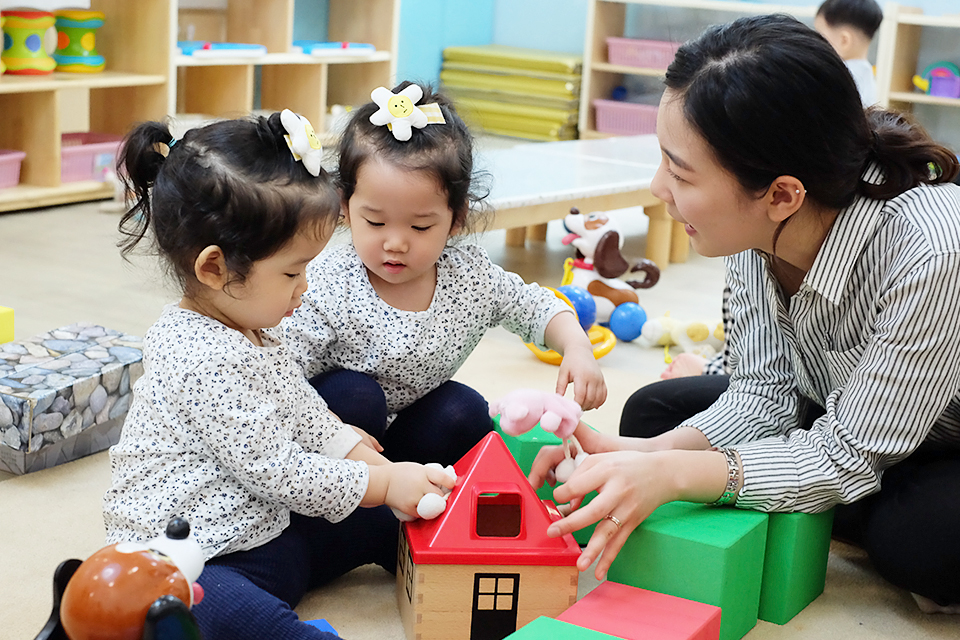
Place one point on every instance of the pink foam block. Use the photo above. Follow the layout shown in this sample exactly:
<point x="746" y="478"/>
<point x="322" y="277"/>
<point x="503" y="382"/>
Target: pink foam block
<point x="634" y="614"/>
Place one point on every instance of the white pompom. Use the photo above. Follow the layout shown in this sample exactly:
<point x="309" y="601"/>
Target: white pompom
<point x="430" y="506"/>
<point x="401" y="516"/>
<point x="565" y="469"/>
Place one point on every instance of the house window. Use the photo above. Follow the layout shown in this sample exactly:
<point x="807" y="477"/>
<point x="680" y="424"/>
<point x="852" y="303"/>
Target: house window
<point x="498" y="515"/>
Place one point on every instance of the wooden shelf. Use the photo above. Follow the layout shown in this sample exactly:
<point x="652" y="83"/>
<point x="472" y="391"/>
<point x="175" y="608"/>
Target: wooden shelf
<point x="606" y="18"/>
<point x="280" y="59"/>
<point x="56" y="81"/>
<point x="606" y="67"/>
<point x="923" y="98"/>
<point x="27" y="196"/>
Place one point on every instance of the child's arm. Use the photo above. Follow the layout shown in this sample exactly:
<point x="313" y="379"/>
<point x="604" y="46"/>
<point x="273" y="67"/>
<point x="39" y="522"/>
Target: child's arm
<point x="565" y="335"/>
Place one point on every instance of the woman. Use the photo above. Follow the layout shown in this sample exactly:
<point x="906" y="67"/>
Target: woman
<point x="842" y="239"/>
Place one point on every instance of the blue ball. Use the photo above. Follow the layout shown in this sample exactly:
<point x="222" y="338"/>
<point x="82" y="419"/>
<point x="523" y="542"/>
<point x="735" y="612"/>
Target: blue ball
<point x="627" y="320"/>
<point x="583" y="304"/>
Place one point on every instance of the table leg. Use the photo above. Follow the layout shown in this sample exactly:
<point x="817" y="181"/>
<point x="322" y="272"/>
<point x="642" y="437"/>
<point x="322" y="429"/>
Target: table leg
<point x="516" y="237"/>
<point x="659" y="232"/>
<point x="537" y="232"/>
<point x="679" y="243"/>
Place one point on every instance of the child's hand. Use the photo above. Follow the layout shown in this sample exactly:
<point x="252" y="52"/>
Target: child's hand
<point x="581" y="368"/>
<point x="407" y="482"/>
<point x="367" y="439"/>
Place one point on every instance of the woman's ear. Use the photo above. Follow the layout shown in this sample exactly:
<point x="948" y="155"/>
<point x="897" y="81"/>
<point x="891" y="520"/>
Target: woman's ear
<point x="785" y="196"/>
<point x="210" y="268"/>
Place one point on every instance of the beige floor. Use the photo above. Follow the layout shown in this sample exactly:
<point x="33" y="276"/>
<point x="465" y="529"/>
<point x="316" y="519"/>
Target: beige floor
<point x="60" y="265"/>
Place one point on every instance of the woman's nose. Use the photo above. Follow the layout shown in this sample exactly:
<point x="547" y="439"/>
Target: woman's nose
<point x="659" y="185"/>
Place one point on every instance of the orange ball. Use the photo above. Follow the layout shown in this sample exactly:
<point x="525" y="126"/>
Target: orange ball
<point x="109" y="595"/>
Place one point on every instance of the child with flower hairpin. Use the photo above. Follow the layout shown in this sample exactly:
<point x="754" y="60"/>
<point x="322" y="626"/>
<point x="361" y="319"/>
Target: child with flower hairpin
<point x="223" y="430"/>
<point x="392" y="315"/>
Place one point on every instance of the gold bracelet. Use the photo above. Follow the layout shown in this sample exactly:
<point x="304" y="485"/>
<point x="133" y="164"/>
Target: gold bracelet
<point x="733" y="477"/>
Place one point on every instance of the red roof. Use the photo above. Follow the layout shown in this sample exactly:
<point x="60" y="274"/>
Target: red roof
<point x="493" y="517"/>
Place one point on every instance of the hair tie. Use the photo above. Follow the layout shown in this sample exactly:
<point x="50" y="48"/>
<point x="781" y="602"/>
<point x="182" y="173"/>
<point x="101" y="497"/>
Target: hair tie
<point x="399" y="111"/>
<point x="172" y="142"/>
<point x="302" y="141"/>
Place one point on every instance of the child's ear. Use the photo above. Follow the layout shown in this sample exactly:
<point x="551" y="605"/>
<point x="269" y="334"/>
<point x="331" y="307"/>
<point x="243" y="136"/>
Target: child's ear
<point x="345" y="212"/>
<point x="210" y="268"/>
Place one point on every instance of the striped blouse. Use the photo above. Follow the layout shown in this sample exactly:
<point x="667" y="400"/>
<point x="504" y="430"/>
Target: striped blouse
<point x="872" y="335"/>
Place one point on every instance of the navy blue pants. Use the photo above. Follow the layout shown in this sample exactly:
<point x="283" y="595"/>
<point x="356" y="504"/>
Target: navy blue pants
<point x="439" y="427"/>
<point x="909" y="528"/>
<point x="250" y="595"/>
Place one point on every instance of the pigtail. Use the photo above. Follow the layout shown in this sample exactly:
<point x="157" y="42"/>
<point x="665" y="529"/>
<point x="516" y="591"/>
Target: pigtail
<point x="908" y="155"/>
<point x="138" y="166"/>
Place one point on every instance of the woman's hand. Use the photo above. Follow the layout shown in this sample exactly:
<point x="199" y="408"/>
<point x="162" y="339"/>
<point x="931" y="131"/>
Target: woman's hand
<point x="630" y="485"/>
<point x="580" y="367"/>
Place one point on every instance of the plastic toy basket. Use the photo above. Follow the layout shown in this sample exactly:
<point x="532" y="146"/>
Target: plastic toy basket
<point x="83" y="156"/>
<point x="649" y="54"/>
<point x="10" y="167"/>
<point x="625" y="118"/>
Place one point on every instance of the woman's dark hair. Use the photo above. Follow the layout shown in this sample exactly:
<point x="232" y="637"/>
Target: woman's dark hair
<point x="233" y="183"/>
<point x="771" y="97"/>
<point x="444" y="151"/>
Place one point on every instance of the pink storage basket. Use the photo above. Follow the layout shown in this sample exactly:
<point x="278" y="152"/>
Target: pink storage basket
<point x="10" y="167"/>
<point x="83" y="156"/>
<point x="649" y="54"/>
<point x="625" y="118"/>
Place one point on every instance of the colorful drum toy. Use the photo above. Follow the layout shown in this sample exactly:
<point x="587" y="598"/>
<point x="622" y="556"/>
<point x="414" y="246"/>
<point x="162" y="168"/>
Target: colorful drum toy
<point x="3" y="67"/>
<point x="77" y="41"/>
<point x="28" y="37"/>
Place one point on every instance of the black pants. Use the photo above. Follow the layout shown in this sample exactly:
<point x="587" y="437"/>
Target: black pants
<point x="910" y="529"/>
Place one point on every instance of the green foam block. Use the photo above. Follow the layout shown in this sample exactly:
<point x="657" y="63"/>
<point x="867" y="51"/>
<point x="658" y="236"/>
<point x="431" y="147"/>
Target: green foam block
<point x="700" y="552"/>
<point x="795" y="568"/>
<point x="544" y="628"/>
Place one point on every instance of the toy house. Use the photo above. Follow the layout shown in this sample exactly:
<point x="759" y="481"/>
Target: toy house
<point x="485" y="567"/>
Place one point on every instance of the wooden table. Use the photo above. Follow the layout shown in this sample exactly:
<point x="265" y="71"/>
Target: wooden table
<point x="538" y="182"/>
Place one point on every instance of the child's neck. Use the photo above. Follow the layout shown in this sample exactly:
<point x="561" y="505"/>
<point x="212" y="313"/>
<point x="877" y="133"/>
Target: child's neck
<point x="415" y="295"/>
<point x="204" y="308"/>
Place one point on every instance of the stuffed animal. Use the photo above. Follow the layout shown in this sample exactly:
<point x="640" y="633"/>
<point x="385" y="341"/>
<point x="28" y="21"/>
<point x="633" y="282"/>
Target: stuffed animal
<point x="431" y="505"/>
<point x="522" y="409"/>
<point x="696" y="337"/>
<point x="599" y="263"/>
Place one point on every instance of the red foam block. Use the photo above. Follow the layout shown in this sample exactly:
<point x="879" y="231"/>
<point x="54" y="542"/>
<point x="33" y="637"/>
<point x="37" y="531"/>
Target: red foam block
<point x="637" y="614"/>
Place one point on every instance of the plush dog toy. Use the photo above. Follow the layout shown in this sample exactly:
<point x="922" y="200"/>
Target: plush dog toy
<point x="699" y="338"/>
<point x="522" y="409"/>
<point x="599" y="263"/>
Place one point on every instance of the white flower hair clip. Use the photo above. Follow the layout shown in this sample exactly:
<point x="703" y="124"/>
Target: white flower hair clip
<point x="399" y="111"/>
<point x="303" y="142"/>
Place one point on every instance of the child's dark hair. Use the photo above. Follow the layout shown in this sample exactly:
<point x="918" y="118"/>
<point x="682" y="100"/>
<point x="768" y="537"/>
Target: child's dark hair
<point x="442" y="150"/>
<point x="232" y="183"/>
<point x="771" y="97"/>
<point x="864" y="15"/>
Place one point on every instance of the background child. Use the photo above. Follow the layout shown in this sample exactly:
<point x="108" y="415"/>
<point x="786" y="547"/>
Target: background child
<point x="849" y="25"/>
<point x="223" y="429"/>
<point x="392" y="315"/>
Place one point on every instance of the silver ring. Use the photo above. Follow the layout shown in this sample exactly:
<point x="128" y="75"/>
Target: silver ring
<point x="614" y="519"/>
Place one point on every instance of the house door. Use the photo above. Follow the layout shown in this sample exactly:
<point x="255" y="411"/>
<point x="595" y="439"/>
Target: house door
<point x="494" y="614"/>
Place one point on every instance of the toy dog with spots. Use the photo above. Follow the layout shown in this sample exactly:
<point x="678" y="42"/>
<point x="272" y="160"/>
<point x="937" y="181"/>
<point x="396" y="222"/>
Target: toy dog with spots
<point x="599" y="263"/>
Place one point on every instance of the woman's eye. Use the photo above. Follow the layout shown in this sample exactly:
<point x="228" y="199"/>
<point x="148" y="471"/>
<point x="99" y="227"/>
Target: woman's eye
<point x="674" y="176"/>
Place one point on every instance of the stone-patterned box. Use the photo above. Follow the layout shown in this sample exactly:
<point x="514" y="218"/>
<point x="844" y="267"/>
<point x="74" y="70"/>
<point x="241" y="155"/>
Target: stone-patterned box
<point x="64" y="394"/>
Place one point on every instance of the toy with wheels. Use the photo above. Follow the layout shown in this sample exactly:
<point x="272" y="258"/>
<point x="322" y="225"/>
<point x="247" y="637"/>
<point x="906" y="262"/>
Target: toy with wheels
<point x="77" y="41"/>
<point x="940" y="79"/>
<point x="29" y="38"/>
<point x="130" y="591"/>
<point x="601" y="338"/>
<point x="599" y="264"/>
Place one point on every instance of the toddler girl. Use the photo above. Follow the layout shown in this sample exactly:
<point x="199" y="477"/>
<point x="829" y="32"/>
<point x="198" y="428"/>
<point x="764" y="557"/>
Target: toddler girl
<point x="223" y="430"/>
<point x="393" y="314"/>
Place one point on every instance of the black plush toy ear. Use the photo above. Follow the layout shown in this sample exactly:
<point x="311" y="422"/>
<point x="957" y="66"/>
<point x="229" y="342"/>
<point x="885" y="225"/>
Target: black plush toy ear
<point x="607" y="259"/>
<point x="53" y="630"/>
